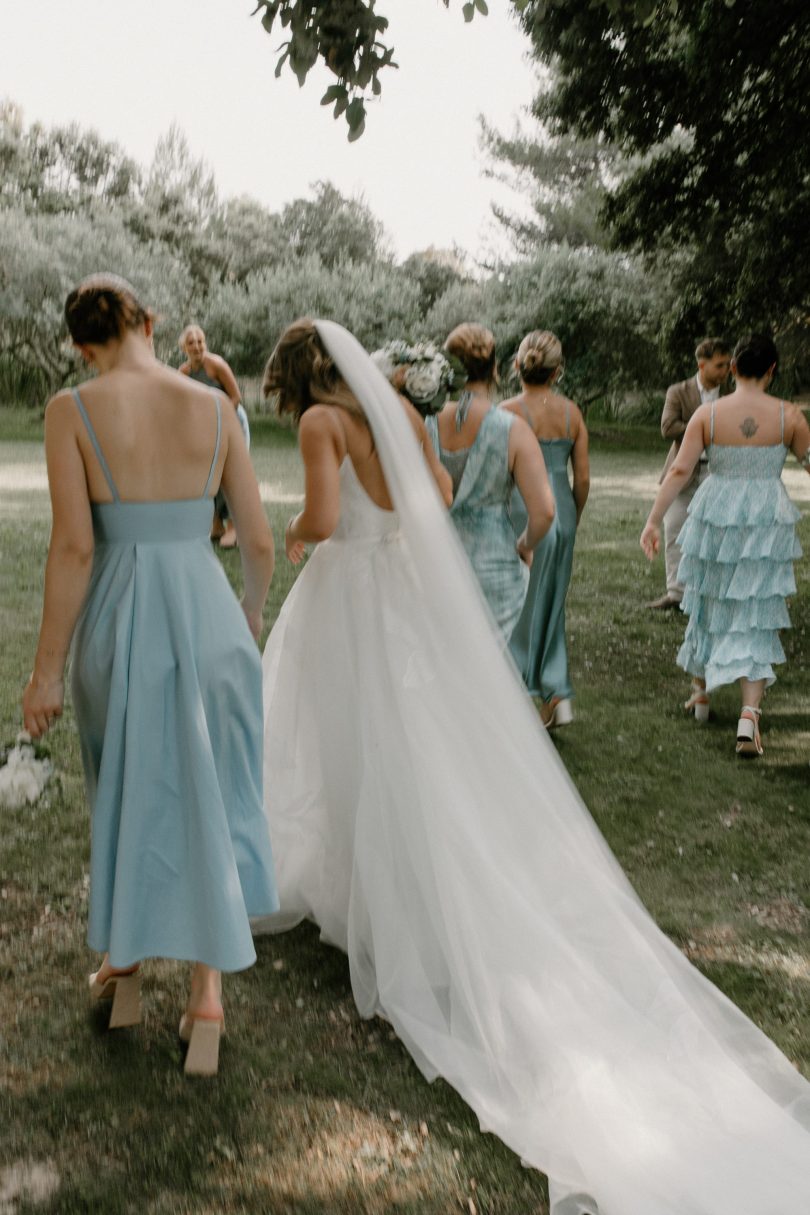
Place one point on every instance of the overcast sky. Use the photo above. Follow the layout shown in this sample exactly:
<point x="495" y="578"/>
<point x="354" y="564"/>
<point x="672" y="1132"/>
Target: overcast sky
<point x="130" y="70"/>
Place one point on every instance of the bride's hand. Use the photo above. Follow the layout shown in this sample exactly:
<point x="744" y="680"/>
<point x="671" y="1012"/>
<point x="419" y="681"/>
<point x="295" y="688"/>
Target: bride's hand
<point x="651" y="541"/>
<point x="294" y="549"/>
<point x="42" y="703"/>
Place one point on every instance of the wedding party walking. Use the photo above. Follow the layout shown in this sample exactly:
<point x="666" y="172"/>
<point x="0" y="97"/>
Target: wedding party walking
<point x="403" y="777"/>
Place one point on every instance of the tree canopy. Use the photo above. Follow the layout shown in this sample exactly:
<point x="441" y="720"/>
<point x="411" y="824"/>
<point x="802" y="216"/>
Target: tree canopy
<point x="707" y="104"/>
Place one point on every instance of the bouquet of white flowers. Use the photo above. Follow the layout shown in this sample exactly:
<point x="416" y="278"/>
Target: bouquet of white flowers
<point x="423" y="373"/>
<point x="24" y="773"/>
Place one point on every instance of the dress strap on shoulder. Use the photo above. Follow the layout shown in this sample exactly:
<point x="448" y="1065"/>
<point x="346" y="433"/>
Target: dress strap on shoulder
<point x="568" y="419"/>
<point x="205" y="492"/>
<point x="105" y="468"/>
<point x="711" y="423"/>
<point x="782" y="422"/>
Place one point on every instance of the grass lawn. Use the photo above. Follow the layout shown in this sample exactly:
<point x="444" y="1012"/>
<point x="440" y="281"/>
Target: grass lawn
<point x="315" y="1110"/>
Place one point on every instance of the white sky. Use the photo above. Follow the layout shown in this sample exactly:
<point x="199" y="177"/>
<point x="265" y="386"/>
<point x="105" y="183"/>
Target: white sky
<point x="131" y="69"/>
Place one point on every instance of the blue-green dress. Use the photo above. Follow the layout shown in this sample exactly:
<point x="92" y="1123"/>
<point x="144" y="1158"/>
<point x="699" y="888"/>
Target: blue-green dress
<point x="167" y="690"/>
<point x="538" y="643"/>
<point x="483" y="488"/>
<point x="738" y="545"/>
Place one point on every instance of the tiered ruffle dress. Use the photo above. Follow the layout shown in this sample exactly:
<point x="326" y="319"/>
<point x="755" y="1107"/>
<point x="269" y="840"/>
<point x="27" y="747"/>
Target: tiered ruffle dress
<point x="738" y="546"/>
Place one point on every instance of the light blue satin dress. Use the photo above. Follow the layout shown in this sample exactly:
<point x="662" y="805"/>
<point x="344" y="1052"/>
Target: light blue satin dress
<point x="483" y="488"/>
<point x="538" y="644"/>
<point x="738" y="546"/>
<point x="167" y="690"/>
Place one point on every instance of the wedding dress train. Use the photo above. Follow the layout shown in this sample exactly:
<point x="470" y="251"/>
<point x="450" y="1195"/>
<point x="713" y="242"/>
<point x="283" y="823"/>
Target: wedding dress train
<point x="420" y="815"/>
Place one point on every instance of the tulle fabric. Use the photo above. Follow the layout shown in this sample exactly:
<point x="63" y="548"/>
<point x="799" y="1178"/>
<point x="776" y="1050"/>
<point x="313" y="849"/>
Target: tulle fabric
<point x="420" y="815"/>
<point x="738" y="546"/>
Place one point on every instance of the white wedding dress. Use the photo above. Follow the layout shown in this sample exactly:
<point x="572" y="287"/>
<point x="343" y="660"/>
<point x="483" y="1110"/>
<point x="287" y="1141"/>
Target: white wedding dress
<point x="421" y="817"/>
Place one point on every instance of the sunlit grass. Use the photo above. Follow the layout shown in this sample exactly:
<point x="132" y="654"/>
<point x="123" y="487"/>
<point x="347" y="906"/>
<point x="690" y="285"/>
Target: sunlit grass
<point x="314" y="1109"/>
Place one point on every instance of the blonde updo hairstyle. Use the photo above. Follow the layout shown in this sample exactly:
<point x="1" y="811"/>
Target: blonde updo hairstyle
<point x="301" y="373"/>
<point x="186" y="334"/>
<point x="474" y="346"/>
<point x="539" y="356"/>
<point x="102" y="308"/>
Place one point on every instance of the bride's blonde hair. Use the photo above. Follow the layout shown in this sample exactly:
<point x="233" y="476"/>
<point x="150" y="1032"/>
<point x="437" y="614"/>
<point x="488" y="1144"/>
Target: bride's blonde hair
<point x="300" y="373"/>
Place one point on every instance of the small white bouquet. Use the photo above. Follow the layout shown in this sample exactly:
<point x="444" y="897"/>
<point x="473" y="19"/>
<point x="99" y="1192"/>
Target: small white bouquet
<point x="423" y="373"/>
<point x="23" y="774"/>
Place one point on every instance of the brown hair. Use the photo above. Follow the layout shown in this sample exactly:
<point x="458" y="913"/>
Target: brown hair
<point x="709" y="347"/>
<point x="474" y="346"/>
<point x="538" y="357"/>
<point x="102" y="308"/>
<point x="301" y="373"/>
<point x="754" y="356"/>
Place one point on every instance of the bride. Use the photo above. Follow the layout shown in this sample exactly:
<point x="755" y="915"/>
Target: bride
<point x="421" y="817"/>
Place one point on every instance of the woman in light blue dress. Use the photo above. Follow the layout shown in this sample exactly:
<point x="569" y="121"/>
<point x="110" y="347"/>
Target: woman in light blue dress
<point x="166" y="677"/>
<point x="739" y="540"/>
<point x="538" y="644"/>
<point x="487" y="454"/>
<point x="211" y="369"/>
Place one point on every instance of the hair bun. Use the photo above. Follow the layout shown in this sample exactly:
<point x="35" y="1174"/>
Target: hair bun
<point x="538" y="357"/>
<point x="101" y="308"/>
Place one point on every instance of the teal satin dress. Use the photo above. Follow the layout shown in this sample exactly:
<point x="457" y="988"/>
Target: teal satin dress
<point x="483" y="488"/>
<point x="167" y="690"/>
<point x="538" y="644"/>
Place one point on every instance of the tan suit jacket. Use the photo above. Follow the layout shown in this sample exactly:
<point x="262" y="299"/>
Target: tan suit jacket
<point x="682" y="400"/>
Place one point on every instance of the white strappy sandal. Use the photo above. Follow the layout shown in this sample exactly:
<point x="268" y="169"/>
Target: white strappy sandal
<point x="749" y="743"/>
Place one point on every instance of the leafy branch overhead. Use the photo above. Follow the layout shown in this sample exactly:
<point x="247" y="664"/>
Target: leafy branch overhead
<point x="347" y="35"/>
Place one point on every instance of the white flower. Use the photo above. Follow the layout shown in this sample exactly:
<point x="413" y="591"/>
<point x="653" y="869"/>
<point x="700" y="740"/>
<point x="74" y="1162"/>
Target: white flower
<point x="22" y="777"/>
<point x="423" y="380"/>
<point x="383" y="360"/>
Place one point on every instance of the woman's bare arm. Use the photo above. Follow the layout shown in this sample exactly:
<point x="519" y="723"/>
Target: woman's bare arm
<point x="218" y="369"/>
<point x="322" y="443"/>
<point x="580" y="464"/>
<point x="681" y="469"/>
<point x="68" y="566"/>
<point x="800" y="439"/>
<point x="437" y="470"/>
<point x="256" y="548"/>
<point x="529" y="470"/>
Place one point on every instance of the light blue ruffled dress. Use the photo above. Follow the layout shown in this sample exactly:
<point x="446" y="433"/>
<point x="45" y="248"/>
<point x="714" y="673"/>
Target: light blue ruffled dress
<point x="738" y="545"/>
<point x="482" y="498"/>
<point x="538" y="644"/>
<point x="167" y="690"/>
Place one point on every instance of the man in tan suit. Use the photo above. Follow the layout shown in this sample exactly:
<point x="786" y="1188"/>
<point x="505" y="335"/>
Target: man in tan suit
<point x="714" y="360"/>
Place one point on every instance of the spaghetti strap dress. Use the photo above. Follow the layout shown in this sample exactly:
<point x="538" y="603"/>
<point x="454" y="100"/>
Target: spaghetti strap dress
<point x="167" y="689"/>
<point x="738" y="546"/>
<point x="483" y="487"/>
<point x="538" y="644"/>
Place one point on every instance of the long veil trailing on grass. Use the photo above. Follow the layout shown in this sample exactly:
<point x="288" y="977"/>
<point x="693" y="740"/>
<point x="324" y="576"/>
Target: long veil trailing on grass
<point x="484" y="915"/>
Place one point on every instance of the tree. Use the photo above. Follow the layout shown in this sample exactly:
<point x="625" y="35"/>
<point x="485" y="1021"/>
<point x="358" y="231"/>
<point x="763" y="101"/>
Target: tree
<point x="333" y="227"/>
<point x="347" y="35"/>
<point x="434" y="271"/>
<point x="563" y="179"/>
<point x="61" y="168"/>
<point x="711" y="100"/>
